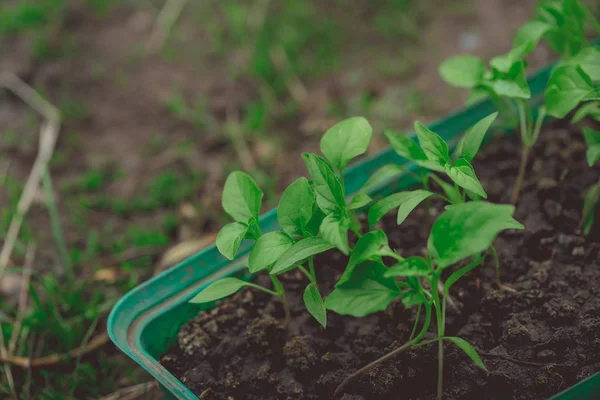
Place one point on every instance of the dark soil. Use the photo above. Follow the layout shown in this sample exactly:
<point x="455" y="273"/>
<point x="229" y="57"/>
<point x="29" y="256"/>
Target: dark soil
<point x="535" y="342"/>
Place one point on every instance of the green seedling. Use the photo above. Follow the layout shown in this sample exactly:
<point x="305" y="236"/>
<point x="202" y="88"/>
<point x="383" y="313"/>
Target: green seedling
<point x="433" y="156"/>
<point x="462" y="232"/>
<point x="314" y="217"/>
<point x="505" y="83"/>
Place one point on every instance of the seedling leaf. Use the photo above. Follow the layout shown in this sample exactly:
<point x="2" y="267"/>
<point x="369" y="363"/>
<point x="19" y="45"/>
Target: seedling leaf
<point x="334" y="229"/>
<point x="412" y="266"/>
<point x="468" y="349"/>
<point x="296" y="207"/>
<point x="474" y="137"/>
<point x="432" y="144"/>
<point x="589" y="61"/>
<point x="405" y="201"/>
<point x="314" y="304"/>
<point x="468" y="228"/>
<point x="567" y="87"/>
<point x="299" y="252"/>
<point x="514" y="84"/>
<point x="592" y="139"/>
<point x="370" y="246"/>
<point x="230" y="237"/>
<point x="382" y="175"/>
<point x="346" y="140"/>
<point x="241" y="197"/>
<point x="463" y="174"/>
<point x="219" y="289"/>
<point x="591" y="110"/>
<point x="464" y="71"/>
<point x="405" y="146"/>
<point x="360" y="200"/>
<point x="327" y="186"/>
<point x="267" y="250"/>
<point x="366" y="292"/>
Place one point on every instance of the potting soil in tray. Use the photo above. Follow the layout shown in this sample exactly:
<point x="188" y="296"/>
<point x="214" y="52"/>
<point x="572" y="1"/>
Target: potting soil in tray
<point x="535" y="342"/>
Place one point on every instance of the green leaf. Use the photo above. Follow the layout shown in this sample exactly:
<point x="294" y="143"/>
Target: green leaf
<point x="346" y="140"/>
<point x="463" y="174"/>
<point x="314" y="304"/>
<point x="314" y="224"/>
<point x="589" y="61"/>
<point x="230" y="237"/>
<point x="359" y="201"/>
<point x="405" y="146"/>
<point x="464" y="71"/>
<point x="567" y="87"/>
<point x="405" y="201"/>
<point x="268" y="248"/>
<point x="367" y="292"/>
<point x="529" y="35"/>
<point x="474" y="137"/>
<point x="327" y="186"/>
<point x="241" y="197"/>
<point x="590" y="203"/>
<point x="468" y="228"/>
<point x="296" y="207"/>
<point x="299" y="252"/>
<point x="412" y="266"/>
<point x="525" y="42"/>
<point x="334" y="229"/>
<point x="591" y="110"/>
<point x="514" y="84"/>
<point x="592" y="139"/>
<point x="372" y="245"/>
<point x="219" y="289"/>
<point x="412" y="298"/>
<point x="432" y="144"/>
<point x="382" y="176"/>
<point x="468" y="349"/>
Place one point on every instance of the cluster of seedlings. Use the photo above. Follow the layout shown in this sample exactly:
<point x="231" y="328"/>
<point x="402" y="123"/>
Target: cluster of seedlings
<point x="316" y="215"/>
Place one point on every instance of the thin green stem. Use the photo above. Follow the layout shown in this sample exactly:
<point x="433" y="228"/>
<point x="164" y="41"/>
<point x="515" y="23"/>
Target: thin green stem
<point x="521" y="175"/>
<point x="55" y="226"/>
<point x="440" y="328"/>
<point x="313" y="274"/>
<point x="588" y="208"/>
<point x="497" y="262"/>
<point x="264" y="289"/>
<point x="538" y="125"/>
<point x="414" y="329"/>
<point x="284" y="302"/>
<point x="305" y="272"/>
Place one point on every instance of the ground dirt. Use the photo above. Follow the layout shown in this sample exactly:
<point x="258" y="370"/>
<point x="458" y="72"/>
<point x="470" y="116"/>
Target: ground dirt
<point x="535" y="342"/>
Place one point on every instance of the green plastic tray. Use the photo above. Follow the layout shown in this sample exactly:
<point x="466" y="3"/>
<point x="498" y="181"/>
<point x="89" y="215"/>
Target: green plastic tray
<point x="145" y="322"/>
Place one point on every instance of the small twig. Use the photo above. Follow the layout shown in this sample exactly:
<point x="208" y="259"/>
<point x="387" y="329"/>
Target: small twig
<point x="234" y="131"/>
<point x="282" y="61"/>
<point x="47" y="141"/>
<point x="517" y="361"/>
<point x="132" y="392"/>
<point x="7" y="370"/>
<point x="164" y="23"/>
<point x="97" y="342"/>
<point x="22" y="308"/>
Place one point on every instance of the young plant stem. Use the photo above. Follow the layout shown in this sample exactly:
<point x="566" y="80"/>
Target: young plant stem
<point x="404" y="347"/>
<point x="313" y="274"/>
<point x="439" y="314"/>
<point x="528" y="136"/>
<point x="281" y="293"/>
<point x="358" y="372"/>
<point x="588" y="209"/>
<point x="414" y="329"/>
<point x="520" y="176"/>
<point x="305" y="272"/>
